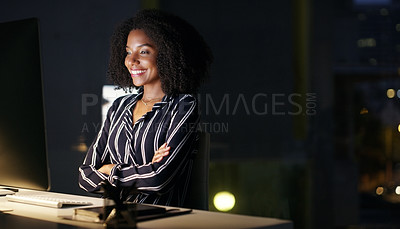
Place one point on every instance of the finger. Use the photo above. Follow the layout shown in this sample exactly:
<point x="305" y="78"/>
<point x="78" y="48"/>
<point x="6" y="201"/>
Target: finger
<point x="157" y="156"/>
<point x="160" y="156"/>
<point x="163" y="150"/>
<point x="163" y="145"/>
<point x="157" y="159"/>
<point x="166" y="148"/>
<point x="165" y="153"/>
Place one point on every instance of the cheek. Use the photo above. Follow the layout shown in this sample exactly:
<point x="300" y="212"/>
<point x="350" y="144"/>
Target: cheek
<point x="153" y="63"/>
<point x="126" y="62"/>
<point x="153" y="66"/>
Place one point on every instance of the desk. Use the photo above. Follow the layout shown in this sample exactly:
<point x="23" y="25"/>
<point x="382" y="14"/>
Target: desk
<point x="31" y="216"/>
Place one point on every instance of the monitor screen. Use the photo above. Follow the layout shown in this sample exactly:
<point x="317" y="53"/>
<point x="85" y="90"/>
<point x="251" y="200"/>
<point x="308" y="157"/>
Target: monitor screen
<point x="23" y="155"/>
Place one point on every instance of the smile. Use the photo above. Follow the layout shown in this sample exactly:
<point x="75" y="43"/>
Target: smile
<point x="137" y="72"/>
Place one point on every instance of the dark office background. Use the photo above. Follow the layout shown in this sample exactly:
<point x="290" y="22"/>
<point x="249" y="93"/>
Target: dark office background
<point x="303" y="124"/>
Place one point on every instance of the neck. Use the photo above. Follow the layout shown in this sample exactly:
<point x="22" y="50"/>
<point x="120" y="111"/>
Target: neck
<point x="151" y="93"/>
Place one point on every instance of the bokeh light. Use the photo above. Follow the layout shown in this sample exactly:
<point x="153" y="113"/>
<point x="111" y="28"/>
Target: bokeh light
<point x="384" y="12"/>
<point x="397" y="190"/>
<point x="364" y="111"/>
<point x="379" y="190"/>
<point x="224" y="201"/>
<point x="390" y="93"/>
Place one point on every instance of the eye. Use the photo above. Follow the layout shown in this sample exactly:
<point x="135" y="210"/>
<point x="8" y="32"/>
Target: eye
<point x="128" y="52"/>
<point x="144" y="52"/>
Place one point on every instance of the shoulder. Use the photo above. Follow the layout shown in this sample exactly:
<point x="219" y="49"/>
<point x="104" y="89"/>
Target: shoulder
<point x="184" y="99"/>
<point x="121" y="103"/>
<point x="125" y="100"/>
<point x="184" y="103"/>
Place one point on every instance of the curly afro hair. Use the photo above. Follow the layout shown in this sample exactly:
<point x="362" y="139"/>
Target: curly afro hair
<point x="183" y="59"/>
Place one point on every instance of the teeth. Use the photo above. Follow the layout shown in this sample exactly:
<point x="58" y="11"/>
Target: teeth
<point x="135" y="72"/>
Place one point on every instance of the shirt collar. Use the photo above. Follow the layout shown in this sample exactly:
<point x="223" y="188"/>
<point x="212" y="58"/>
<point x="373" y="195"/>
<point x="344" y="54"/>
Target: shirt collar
<point x="163" y="101"/>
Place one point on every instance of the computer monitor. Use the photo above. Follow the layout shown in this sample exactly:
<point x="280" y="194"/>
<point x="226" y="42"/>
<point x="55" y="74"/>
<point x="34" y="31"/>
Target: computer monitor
<point x="23" y="154"/>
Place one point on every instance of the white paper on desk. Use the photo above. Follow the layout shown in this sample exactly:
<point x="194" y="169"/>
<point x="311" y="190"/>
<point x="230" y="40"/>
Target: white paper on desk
<point x="4" y="192"/>
<point x="5" y="209"/>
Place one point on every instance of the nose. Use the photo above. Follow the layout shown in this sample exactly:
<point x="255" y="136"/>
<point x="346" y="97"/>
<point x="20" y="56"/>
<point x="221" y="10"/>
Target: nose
<point x="133" y="60"/>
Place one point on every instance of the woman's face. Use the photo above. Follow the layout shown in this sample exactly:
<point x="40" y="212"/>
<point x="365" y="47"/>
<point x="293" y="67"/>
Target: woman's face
<point x="141" y="59"/>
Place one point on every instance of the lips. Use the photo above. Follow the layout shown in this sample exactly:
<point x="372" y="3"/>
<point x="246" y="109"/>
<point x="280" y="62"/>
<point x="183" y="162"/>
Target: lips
<point x="137" y="72"/>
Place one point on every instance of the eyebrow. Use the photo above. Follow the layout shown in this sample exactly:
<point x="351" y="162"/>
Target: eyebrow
<point x="142" y="45"/>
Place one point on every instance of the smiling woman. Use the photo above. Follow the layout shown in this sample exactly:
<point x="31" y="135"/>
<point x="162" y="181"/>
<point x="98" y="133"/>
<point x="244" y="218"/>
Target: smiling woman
<point x="141" y="60"/>
<point x="183" y="58"/>
<point x="145" y="140"/>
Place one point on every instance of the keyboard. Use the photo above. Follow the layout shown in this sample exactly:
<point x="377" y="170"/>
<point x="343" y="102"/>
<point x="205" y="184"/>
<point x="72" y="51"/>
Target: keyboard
<point x="46" y="201"/>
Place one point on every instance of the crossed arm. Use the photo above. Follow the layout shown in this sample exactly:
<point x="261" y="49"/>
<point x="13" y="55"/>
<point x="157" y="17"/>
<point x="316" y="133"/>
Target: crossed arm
<point x="158" y="156"/>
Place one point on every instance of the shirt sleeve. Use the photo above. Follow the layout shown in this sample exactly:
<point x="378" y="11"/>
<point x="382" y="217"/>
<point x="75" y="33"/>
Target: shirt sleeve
<point x="181" y="137"/>
<point x="89" y="176"/>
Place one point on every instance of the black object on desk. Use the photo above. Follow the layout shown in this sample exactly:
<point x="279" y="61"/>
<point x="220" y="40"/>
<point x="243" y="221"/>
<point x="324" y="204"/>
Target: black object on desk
<point x="120" y="215"/>
<point x="123" y="214"/>
<point x="141" y="211"/>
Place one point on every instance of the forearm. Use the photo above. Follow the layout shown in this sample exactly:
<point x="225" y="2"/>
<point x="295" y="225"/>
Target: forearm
<point x="90" y="178"/>
<point x="159" y="176"/>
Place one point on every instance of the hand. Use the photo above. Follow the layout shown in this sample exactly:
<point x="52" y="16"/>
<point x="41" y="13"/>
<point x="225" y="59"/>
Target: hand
<point x="160" y="153"/>
<point x="106" y="169"/>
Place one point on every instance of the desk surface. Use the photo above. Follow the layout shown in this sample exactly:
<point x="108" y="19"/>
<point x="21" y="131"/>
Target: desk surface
<point x="44" y="217"/>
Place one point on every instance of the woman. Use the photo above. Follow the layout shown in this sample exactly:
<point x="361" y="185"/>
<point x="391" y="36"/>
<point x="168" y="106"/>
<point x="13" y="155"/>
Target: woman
<point x="148" y="140"/>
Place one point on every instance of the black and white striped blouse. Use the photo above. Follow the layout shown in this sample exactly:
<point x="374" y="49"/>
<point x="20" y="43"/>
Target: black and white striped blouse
<point x="132" y="146"/>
